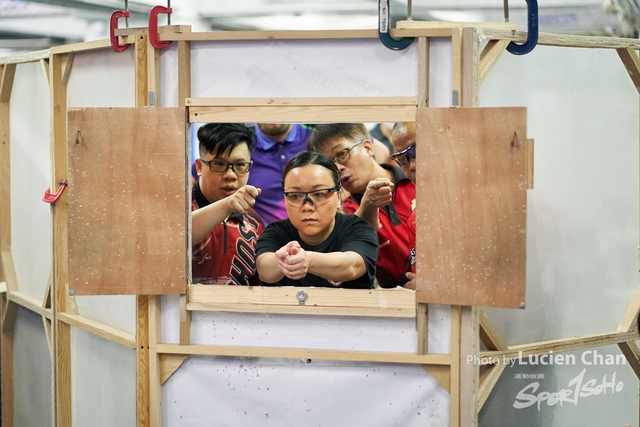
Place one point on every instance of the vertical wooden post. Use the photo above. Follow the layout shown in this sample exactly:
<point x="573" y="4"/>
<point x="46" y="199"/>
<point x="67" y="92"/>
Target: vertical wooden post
<point x="142" y="331"/>
<point x="470" y="326"/>
<point x="8" y="310"/>
<point x="454" y="389"/>
<point x="184" y="92"/>
<point x="422" y="318"/>
<point x="61" y="331"/>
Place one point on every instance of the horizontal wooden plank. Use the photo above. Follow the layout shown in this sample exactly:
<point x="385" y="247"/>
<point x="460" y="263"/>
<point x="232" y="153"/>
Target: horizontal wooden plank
<point x="29" y="302"/>
<point x="549" y="39"/>
<point x="320" y="301"/>
<point x="272" y="102"/>
<point x="406" y="24"/>
<point x="561" y="345"/>
<point x="271" y="35"/>
<point x="302" y="114"/>
<point x="80" y="47"/>
<point x="99" y="329"/>
<point x="26" y="57"/>
<point x="296" y="353"/>
<point x="301" y="309"/>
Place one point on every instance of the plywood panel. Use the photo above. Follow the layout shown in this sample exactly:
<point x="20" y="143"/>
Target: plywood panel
<point x="127" y="201"/>
<point x="471" y="218"/>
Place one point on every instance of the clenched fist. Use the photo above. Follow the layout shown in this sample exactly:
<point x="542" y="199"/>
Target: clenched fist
<point x="243" y="199"/>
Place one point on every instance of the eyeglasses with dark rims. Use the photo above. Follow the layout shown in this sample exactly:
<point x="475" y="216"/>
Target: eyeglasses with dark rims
<point x="221" y="166"/>
<point x="345" y="154"/>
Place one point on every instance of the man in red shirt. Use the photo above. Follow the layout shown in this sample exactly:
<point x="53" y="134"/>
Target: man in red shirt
<point x="380" y="194"/>
<point x="224" y="227"/>
<point x="403" y="137"/>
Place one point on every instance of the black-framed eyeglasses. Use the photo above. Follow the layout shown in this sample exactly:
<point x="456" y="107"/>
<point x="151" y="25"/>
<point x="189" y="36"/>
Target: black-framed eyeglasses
<point x="220" y="166"/>
<point x="316" y="197"/>
<point x="345" y="154"/>
<point x="404" y="157"/>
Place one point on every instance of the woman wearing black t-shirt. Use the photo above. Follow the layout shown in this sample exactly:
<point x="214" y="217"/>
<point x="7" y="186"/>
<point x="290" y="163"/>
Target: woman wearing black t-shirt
<point x="317" y="245"/>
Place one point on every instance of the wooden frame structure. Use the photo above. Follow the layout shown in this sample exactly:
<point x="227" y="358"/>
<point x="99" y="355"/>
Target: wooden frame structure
<point x="469" y="385"/>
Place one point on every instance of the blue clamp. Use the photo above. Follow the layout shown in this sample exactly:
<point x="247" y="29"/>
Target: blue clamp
<point x="532" y="35"/>
<point x="384" y="16"/>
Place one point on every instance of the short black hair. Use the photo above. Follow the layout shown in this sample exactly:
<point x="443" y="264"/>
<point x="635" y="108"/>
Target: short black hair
<point x="216" y="138"/>
<point x="326" y="133"/>
<point x="305" y="158"/>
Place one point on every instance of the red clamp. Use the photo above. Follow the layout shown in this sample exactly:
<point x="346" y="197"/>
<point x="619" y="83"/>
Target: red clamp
<point x="154" y="37"/>
<point x="117" y="47"/>
<point x="52" y="198"/>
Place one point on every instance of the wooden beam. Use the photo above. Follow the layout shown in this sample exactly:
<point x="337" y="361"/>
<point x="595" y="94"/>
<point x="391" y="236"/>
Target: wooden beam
<point x="632" y="353"/>
<point x="81" y="47"/>
<point x="96" y="328"/>
<point x="454" y="390"/>
<point x="142" y="363"/>
<point x="44" y="64"/>
<point x="295" y="353"/>
<point x="142" y="87"/>
<point x="185" y="322"/>
<point x="562" y="345"/>
<point x="450" y="24"/>
<point x="9" y="271"/>
<point x="293" y="114"/>
<point x="488" y="334"/>
<point x="631" y="62"/>
<point x="530" y="157"/>
<point x="6" y="360"/>
<point x="169" y="363"/>
<point x="6" y="86"/>
<point x="67" y="62"/>
<point x="355" y="302"/>
<point x="422" y="328"/>
<point x="470" y="68"/>
<point x="153" y="75"/>
<point x="5" y="178"/>
<point x="155" y="381"/>
<point x="549" y="39"/>
<point x="47" y="332"/>
<point x="29" y="302"/>
<point x="456" y="67"/>
<point x="469" y="372"/>
<point x="423" y="72"/>
<point x="490" y="56"/>
<point x="440" y="373"/>
<point x="184" y="72"/>
<point x="9" y="313"/>
<point x="489" y="376"/>
<point x="629" y="320"/>
<point x="303" y="102"/>
<point x="61" y="331"/>
<point x="25" y="57"/>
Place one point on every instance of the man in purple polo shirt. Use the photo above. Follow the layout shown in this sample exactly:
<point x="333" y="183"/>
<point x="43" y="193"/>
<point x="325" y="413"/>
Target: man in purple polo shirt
<point x="275" y="145"/>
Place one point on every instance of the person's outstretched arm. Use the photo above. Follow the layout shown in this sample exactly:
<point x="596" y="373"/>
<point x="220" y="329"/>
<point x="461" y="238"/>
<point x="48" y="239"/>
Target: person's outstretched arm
<point x="205" y="219"/>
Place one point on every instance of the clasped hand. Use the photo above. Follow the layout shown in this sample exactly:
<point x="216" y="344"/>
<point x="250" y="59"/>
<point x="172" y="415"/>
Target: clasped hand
<point x="293" y="261"/>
